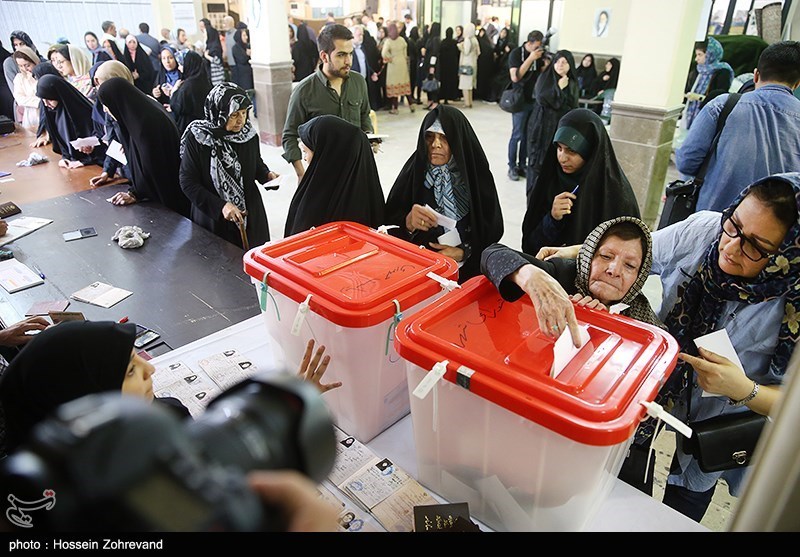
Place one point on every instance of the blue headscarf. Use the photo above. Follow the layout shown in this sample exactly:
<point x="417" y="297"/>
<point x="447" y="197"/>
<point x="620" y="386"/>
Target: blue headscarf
<point x="705" y="73"/>
<point x="165" y="75"/>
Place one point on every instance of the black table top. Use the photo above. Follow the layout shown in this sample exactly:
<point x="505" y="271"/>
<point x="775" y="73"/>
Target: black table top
<point x="187" y="283"/>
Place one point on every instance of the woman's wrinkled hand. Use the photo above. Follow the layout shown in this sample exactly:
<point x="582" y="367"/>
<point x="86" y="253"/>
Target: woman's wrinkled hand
<point x="554" y="309"/>
<point x="420" y="218"/>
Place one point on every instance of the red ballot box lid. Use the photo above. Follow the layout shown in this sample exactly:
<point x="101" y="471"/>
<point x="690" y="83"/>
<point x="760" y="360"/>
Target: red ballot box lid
<point x="507" y="360"/>
<point x="354" y="273"/>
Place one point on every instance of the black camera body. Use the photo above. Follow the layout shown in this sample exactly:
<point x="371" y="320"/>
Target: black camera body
<point x="115" y="463"/>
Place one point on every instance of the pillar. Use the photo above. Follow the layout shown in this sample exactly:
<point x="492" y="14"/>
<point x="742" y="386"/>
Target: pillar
<point x="647" y="103"/>
<point x="272" y="65"/>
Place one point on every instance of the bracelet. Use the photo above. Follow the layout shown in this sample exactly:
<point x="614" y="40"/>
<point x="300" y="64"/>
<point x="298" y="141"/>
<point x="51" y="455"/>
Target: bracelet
<point x="746" y="399"/>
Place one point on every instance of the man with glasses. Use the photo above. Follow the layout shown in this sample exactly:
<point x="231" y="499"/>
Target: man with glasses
<point x="761" y="135"/>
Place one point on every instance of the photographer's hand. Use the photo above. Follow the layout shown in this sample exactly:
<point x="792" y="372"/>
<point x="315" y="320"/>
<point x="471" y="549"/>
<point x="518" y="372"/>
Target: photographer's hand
<point x="312" y="370"/>
<point x="297" y="499"/>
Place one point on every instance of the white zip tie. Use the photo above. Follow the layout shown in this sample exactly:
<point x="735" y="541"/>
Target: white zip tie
<point x="300" y="316"/>
<point x="655" y="410"/>
<point x="447" y="285"/>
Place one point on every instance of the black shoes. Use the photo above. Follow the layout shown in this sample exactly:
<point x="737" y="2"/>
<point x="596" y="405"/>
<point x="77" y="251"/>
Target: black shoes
<point x="513" y="174"/>
<point x="521" y="171"/>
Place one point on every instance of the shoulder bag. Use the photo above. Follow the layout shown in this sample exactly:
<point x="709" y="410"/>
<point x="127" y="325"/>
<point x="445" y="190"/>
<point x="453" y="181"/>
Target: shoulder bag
<point x="680" y="199"/>
<point x="724" y="442"/>
<point x="512" y="99"/>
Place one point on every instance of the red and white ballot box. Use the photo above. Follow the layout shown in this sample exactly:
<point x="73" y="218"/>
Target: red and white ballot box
<point x="527" y="451"/>
<point x="348" y="287"/>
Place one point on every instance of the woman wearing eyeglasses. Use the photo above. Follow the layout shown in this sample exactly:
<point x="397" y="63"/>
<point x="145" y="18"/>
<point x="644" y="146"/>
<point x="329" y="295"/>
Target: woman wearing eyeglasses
<point x="738" y="270"/>
<point x="745" y="281"/>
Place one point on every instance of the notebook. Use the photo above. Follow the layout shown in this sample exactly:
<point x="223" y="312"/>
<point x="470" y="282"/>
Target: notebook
<point x="16" y="276"/>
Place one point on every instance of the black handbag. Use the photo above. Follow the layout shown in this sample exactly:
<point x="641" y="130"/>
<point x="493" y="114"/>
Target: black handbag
<point x="725" y="442"/>
<point x="512" y="98"/>
<point x="430" y="84"/>
<point x="680" y="196"/>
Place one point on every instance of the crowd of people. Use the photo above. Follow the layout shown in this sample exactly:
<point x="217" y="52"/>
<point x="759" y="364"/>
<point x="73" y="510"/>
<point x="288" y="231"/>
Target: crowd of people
<point x="190" y="145"/>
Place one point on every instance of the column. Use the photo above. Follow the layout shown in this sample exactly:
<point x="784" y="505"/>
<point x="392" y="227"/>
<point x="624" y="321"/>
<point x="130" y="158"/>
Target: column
<point x="647" y="103"/>
<point x="272" y="64"/>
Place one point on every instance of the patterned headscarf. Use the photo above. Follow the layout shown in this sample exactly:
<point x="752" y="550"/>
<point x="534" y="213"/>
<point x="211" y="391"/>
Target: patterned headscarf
<point x="226" y="172"/>
<point x="705" y="72"/>
<point x="639" y="305"/>
<point x="700" y="300"/>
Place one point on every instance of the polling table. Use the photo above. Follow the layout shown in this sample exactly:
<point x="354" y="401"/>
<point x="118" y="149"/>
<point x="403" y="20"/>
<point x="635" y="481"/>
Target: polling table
<point x="187" y="282"/>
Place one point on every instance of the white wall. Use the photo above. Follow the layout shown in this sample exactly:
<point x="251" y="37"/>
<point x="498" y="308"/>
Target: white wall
<point x="455" y="13"/>
<point x="47" y="20"/>
<point x="576" y="32"/>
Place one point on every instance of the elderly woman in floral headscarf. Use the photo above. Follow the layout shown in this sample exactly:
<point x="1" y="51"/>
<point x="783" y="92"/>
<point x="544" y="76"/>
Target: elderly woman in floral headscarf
<point x="220" y="164"/>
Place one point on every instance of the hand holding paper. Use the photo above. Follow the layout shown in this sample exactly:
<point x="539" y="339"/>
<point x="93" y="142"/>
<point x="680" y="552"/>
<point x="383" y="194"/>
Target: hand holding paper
<point x="719" y="366"/>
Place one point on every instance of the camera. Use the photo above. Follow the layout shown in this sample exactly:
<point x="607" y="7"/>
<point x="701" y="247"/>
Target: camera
<point x="108" y="462"/>
<point x="547" y="36"/>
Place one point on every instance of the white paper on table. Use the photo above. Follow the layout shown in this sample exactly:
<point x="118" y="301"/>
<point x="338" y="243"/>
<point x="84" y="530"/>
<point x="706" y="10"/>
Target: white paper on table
<point x="720" y="343"/>
<point x="116" y="152"/>
<point x="90" y="141"/>
<point x="446" y="222"/>
<point x="564" y="349"/>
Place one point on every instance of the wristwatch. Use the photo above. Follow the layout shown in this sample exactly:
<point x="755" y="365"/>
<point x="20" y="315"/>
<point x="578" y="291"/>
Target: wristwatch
<point x="746" y="399"/>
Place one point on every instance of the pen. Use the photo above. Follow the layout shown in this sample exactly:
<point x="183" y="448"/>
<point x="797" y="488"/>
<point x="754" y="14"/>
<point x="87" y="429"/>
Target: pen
<point x="573" y="192"/>
<point x="124" y="319"/>
<point x="38" y="271"/>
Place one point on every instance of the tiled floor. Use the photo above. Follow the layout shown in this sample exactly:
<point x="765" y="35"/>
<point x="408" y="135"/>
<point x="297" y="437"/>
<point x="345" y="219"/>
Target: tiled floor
<point x="493" y="127"/>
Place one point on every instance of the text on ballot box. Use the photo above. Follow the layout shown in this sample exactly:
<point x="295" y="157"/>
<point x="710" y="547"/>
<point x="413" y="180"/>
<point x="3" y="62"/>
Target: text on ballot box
<point x="349" y="287"/>
<point x="527" y="451"/>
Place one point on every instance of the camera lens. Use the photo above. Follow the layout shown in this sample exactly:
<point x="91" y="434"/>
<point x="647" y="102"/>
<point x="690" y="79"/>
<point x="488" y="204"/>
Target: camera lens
<point x="268" y="424"/>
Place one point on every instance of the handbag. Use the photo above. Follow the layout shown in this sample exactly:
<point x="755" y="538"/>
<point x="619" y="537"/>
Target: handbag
<point x="465" y="70"/>
<point x="725" y="442"/>
<point x="512" y="99"/>
<point x="430" y="84"/>
<point x="722" y="442"/>
<point x="680" y="196"/>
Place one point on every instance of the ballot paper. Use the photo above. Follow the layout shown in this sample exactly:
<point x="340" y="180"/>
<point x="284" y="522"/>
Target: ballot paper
<point x="376" y="136"/>
<point x="445" y="222"/>
<point x="564" y="349"/>
<point x="116" y="152"/>
<point x="101" y="294"/>
<point x="719" y="342"/>
<point x="284" y="179"/>
<point x="90" y="141"/>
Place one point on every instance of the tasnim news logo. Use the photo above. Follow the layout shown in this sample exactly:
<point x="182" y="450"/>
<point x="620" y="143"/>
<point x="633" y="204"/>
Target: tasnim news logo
<point x="17" y="512"/>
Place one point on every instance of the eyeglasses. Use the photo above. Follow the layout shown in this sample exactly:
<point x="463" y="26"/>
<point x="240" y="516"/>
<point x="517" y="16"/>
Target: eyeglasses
<point x="748" y="246"/>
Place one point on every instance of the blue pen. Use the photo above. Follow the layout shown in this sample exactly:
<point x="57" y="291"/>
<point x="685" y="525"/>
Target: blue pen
<point x="38" y="271"/>
<point x="573" y="192"/>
